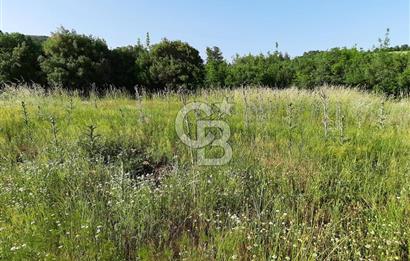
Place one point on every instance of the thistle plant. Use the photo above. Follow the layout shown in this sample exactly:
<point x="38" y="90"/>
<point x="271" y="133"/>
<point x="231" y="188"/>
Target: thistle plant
<point x="70" y="109"/>
<point x="340" y="121"/>
<point x="245" y="110"/>
<point x="25" y="114"/>
<point x="381" y="121"/>
<point x="54" y="131"/>
<point x="325" y="119"/>
<point x="290" y="122"/>
<point x="140" y="108"/>
<point x="91" y="142"/>
<point x="123" y="191"/>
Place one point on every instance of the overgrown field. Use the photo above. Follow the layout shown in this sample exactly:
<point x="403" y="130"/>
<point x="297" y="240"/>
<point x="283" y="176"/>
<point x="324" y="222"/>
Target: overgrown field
<point x="318" y="175"/>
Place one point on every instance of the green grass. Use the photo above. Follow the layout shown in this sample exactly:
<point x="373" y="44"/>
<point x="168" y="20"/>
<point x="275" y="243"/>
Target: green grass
<point x="314" y="176"/>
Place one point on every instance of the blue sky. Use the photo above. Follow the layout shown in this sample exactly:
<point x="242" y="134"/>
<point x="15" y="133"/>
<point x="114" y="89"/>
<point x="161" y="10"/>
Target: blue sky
<point x="236" y="26"/>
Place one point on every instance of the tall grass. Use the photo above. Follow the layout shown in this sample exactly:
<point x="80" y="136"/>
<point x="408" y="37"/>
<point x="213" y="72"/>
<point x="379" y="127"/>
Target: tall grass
<point x="315" y="175"/>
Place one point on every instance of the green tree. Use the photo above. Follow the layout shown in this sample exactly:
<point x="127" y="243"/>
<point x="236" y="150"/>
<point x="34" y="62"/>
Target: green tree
<point x="385" y="71"/>
<point x="130" y="67"/>
<point x="76" y="61"/>
<point x="215" y="68"/>
<point x="174" y="65"/>
<point x="123" y="73"/>
<point x="272" y="70"/>
<point x="18" y="59"/>
<point x="404" y="79"/>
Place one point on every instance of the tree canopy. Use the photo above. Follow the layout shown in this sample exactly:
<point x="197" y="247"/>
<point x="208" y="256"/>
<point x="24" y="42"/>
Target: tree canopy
<point x="79" y="62"/>
<point x="75" y="61"/>
<point x="175" y="64"/>
<point x="18" y="59"/>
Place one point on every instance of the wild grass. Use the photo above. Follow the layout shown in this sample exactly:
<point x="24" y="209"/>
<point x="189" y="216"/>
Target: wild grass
<point x="315" y="175"/>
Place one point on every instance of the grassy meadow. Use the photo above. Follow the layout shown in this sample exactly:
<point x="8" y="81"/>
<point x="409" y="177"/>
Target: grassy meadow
<point x="315" y="175"/>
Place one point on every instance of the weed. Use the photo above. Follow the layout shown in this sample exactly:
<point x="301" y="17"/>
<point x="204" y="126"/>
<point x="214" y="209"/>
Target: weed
<point x="299" y="186"/>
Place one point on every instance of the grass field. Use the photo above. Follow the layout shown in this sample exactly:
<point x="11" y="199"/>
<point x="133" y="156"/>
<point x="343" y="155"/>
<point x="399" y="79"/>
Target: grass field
<point x="318" y="175"/>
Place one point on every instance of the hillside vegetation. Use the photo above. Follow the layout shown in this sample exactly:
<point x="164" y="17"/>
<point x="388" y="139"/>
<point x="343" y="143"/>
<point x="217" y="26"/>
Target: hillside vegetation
<point x="315" y="175"/>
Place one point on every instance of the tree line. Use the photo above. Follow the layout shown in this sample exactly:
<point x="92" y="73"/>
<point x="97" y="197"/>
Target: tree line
<point x="81" y="62"/>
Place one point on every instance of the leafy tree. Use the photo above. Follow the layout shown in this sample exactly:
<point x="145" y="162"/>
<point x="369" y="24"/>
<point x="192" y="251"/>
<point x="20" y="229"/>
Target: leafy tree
<point x="143" y="65"/>
<point x="280" y="70"/>
<point x="174" y="65"/>
<point x="384" y="72"/>
<point x="273" y="70"/>
<point x="216" y="67"/>
<point x="18" y="59"/>
<point x="305" y="70"/>
<point x="404" y="80"/>
<point x="76" y="61"/>
<point x="214" y="54"/>
<point x="38" y="39"/>
<point x="355" y="73"/>
<point x="130" y="67"/>
<point x="124" y="67"/>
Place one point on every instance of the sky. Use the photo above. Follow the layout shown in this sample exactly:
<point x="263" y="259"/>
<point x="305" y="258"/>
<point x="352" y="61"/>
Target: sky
<point x="236" y="26"/>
